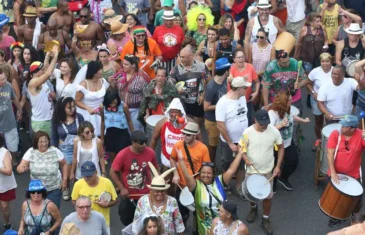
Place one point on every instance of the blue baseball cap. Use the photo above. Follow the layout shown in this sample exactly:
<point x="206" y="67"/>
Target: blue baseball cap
<point x="350" y="121"/>
<point x="88" y="168"/>
<point x="35" y="185"/>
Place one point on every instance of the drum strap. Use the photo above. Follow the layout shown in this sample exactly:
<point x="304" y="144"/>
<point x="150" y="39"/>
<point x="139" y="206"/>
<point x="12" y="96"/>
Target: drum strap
<point x="258" y="18"/>
<point x="189" y="158"/>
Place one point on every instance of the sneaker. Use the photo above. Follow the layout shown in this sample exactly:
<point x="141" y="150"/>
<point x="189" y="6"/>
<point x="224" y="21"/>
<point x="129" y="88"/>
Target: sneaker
<point x="7" y="227"/>
<point x="66" y="195"/>
<point x="238" y="193"/>
<point x="285" y="183"/>
<point x="228" y="191"/>
<point x="252" y="215"/>
<point x="266" y="224"/>
<point x="334" y="222"/>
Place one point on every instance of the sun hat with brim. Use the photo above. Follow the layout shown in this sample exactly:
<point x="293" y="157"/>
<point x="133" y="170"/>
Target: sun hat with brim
<point x="191" y="128"/>
<point x="35" y="67"/>
<point x="263" y="4"/>
<point x="240" y="82"/>
<point x="118" y="28"/>
<point x="350" y="121"/>
<point x="231" y="208"/>
<point x="110" y="16"/>
<point x="354" y="29"/>
<point x="168" y="15"/>
<point x="30" y="12"/>
<point x="70" y="229"/>
<point x="158" y="182"/>
<point x="88" y="169"/>
<point x="3" y="20"/>
<point x="35" y="185"/>
<point x="222" y="63"/>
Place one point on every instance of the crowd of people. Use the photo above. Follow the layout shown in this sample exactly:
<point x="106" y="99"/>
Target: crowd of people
<point x="115" y="107"/>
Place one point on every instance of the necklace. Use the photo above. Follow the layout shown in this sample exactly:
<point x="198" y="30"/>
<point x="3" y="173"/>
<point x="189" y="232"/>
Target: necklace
<point x="158" y="209"/>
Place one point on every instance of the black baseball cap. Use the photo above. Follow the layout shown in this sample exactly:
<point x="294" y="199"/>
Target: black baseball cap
<point x="231" y="208"/>
<point x="138" y="136"/>
<point x="262" y="117"/>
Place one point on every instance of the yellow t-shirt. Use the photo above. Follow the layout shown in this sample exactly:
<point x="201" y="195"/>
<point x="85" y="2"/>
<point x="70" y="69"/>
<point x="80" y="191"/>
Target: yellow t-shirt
<point x="330" y="22"/>
<point x="81" y="188"/>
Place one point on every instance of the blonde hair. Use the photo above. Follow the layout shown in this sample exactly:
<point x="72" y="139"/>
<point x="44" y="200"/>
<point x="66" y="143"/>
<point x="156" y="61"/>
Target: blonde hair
<point x="325" y="56"/>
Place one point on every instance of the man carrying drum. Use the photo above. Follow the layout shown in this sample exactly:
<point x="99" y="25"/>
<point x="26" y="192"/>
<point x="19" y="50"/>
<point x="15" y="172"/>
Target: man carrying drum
<point x="258" y="143"/>
<point x="344" y="152"/>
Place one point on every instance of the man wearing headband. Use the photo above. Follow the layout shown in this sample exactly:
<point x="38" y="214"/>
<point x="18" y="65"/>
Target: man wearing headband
<point x="63" y="17"/>
<point x="281" y="74"/>
<point x="39" y="93"/>
<point x="93" y="30"/>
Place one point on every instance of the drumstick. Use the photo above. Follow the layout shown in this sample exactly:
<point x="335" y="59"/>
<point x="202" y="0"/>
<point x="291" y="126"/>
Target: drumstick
<point x="256" y="169"/>
<point x="299" y="66"/>
<point x="362" y="120"/>
<point x="272" y="177"/>
<point x="136" y="195"/>
<point x="178" y="185"/>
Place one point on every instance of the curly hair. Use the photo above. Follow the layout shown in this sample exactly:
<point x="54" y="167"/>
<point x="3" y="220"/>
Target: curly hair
<point x="193" y="15"/>
<point x="280" y="103"/>
<point x="59" y="114"/>
<point x="155" y="219"/>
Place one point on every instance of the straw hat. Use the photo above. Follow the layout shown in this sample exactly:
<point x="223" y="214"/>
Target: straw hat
<point x="110" y="16"/>
<point x="191" y="128"/>
<point x="30" y="12"/>
<point x="263" y="4"/>
<point x="168" y="15"/>
<point x="354" y="29"/>
<point x="158" y="181"/>
<point x="70" y="229"/>
<point x="118" y="28"/>
<point x="49" y="45"/>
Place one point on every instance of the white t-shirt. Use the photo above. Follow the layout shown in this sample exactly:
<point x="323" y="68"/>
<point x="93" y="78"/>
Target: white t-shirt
<point x="338" y="99"/>
<point x="64" y="90"/>
<point x="319" y="77"/>
<point x="260" y="148"/>
<point x="295" y="10"/>
<point x="286" y="132"/>
<point x="234" y="115"/>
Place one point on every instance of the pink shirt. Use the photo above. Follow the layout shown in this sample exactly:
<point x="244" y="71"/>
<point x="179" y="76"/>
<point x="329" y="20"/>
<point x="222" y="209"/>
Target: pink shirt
<point x="5" y="45"/>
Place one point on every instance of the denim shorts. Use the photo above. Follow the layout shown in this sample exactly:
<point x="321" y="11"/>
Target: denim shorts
<point x="315" y="108"/>
<point x="67" y="150"/>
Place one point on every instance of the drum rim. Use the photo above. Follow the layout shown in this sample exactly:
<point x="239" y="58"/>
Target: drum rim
<point x="334" y="186"/>
<point x="331" y="131"/>
<point x="319" y="205"/>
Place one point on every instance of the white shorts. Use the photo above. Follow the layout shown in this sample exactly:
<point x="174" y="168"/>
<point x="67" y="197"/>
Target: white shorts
<point x="12" y="140"/>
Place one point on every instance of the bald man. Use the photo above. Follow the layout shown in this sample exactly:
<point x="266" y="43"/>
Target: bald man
<point x="195" y="75"/>
<point x="63" y="17"/>
<point x="93" y="31"/>
<point x="54" y="33"/>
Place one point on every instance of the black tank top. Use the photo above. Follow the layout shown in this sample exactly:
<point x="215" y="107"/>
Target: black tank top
<point x="356" y="53"/>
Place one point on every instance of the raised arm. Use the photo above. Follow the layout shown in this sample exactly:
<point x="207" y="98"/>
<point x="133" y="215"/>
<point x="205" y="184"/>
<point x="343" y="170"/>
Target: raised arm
<point x="190" y="181"/>
<point x="228" y="175"/>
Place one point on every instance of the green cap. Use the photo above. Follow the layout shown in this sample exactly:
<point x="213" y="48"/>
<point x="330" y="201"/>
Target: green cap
<point x="168" y="3"/>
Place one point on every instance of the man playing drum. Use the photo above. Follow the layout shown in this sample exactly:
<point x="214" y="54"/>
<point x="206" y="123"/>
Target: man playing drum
<point x="344" y="152"/>
<point x="258" y="143"/>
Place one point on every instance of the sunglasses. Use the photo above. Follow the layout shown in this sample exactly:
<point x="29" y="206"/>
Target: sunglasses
<point x="188" y="135"/>
<point x="211" y="164"/>
<point x="88" y="132"/>
<point x="36" y="192"/>
<point x="140" y="142"/>
<point x="347" y="145"/>
<point x="83" y="16"/>
<point x="201" y="19"/>
<point x="260" y="37"/>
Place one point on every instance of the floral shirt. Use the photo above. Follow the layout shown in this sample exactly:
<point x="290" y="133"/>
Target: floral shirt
<point x="170" y="216"/>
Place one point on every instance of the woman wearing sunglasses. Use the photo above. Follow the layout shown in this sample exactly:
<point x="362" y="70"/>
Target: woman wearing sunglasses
<point x="39" y="215"/>
<point x="208" y="191"/>
<point x="199" y="19"/>
<point x="87" y="147"/>
<point x="43" y="162"/>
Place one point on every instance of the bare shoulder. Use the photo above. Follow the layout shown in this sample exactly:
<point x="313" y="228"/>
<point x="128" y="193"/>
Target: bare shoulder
<point x="242" y="229"/>
<point x="83" y="83"/>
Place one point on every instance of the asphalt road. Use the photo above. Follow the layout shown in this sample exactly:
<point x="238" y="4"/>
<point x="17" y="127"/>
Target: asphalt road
<point x="293" y="213"/>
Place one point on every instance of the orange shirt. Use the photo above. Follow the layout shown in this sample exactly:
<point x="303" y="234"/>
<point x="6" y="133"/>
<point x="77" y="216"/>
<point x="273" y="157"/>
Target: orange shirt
<point x="199" y="153"/>
<point x="154" y="51"/>
<point x="249" y="73"/>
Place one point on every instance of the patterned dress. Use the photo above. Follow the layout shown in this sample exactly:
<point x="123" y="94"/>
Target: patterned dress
<point x="171" y="216"/>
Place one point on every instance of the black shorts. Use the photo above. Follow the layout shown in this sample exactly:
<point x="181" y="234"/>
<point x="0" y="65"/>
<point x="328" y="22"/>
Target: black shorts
<point x="194" y="110"/>
<point x="116" y="139"/>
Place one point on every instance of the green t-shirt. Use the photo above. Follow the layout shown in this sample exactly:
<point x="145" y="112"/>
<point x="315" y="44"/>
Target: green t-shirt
<point x="49" y="3"/>
<point x="159" y="14"/>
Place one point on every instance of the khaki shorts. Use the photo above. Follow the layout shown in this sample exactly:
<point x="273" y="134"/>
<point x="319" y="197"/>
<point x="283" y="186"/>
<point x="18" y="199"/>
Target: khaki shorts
<point x="213" y="132"/>
<point x="294" y="28"/>
<point x="267" y="176"/>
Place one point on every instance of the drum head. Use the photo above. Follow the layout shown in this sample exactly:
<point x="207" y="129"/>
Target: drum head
<point x="106" y="197"/>
<point x="154" y="119"/>
<point x="327" y="130"/>
<point x="257" y="187"/>
<point x="294" y="110"/>
<point x="186" y="197"/>
<point x="350" y="69"/>
<point x="348" y="185"/>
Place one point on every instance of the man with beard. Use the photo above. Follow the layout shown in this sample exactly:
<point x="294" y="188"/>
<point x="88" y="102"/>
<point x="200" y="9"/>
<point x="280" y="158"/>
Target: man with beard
<point x="93" y="29"/>
<point x="53" y="33"/>
<point x="63" y="17"/>
<point x="263" y="20"/>
<point x="28" y="31"/>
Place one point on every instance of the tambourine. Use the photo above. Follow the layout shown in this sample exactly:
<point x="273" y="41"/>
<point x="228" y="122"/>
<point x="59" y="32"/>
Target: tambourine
<point x="209" y="64"/>
<point x="180" y="85"/>
<point x="49" y="45"/>
<point x="106" y="197"/>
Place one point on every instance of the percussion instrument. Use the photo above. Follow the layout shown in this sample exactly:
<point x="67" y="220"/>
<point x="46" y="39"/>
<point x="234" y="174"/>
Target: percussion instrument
<point x="326" y="131"/>
<point x="294" y="110"/>
<point x="151" y="122"/>
<point x="186" y="199"/>
<point x="285" y="41"/>
<point x="106" y="197"/>
<point x="338" y="201"/>
<point x="349" y="63"/>
<point x="255" y="188"/>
